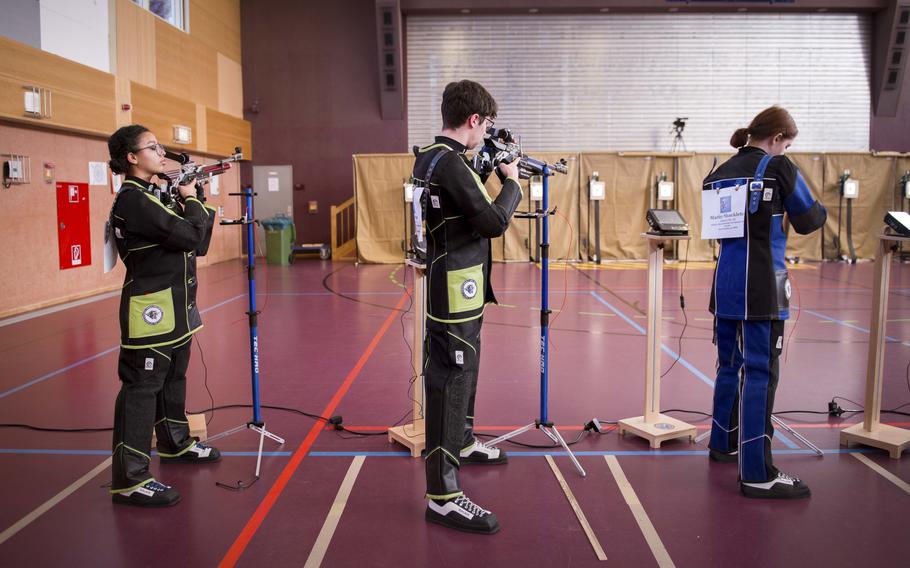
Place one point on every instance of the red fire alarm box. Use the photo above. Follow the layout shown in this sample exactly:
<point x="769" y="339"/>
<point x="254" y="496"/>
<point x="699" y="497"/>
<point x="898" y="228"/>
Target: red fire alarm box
<point x="73" y="231"/>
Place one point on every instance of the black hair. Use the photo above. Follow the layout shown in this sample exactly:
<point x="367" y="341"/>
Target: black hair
<point x="122" y="143"/>
<point x="462" y="99"/>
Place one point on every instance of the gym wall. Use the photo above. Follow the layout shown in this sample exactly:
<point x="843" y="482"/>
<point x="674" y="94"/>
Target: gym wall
<point x="166" y="75"/>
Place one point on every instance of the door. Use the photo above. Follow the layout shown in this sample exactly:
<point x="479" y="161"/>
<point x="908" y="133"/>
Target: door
<point x="273" y="186"/>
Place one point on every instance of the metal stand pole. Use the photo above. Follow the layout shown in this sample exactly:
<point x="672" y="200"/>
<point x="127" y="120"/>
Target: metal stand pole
<point x="850" y="231"/>
<point x="543" y="423"/>
<point x="256" y="424"/>
<point x="780" y="423"/>
<point x="597" y="231"/>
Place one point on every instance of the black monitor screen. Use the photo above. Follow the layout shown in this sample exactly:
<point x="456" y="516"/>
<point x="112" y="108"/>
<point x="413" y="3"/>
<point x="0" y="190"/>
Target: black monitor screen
<point x="668" y="217"/>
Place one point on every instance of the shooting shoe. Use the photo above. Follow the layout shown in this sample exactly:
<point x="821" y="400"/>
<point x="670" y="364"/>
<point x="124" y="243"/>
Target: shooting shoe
<point x="781" y="487"/>
<point x="481" y="453"/>
<point x="148" y="494"/>
<point x="462" y="514"/>
<point x="196" y="453"/>
<point x="723" y="457"/>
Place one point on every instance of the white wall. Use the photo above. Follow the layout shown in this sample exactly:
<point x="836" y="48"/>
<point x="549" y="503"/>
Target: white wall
<point x="617" y="82"/>
<point x="77" y="30"/>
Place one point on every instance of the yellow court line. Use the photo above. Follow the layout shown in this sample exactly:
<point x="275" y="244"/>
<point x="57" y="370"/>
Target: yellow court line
<point x="883" y="472"/>
<point x="317" y="554"/>
<point x="582" y="519"/>
<point x="604" y="314"/>
<point x="641" y="517"/>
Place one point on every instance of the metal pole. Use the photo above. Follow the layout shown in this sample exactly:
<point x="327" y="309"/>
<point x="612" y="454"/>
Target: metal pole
<point x="597" y="232"/>
<point x="544" y="296"/>
<point x="252" y="313"/>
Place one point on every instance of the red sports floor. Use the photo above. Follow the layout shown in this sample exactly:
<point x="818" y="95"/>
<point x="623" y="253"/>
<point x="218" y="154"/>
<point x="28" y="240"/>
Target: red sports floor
<point x="332" y="342"/>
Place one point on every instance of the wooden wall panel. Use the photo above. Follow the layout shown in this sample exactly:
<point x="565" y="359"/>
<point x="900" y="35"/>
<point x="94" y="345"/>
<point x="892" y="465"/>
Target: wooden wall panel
<point x="83" y="97"/>
<point x="230" y="86"/>
<point x="225" y="132"/>
<point x="28" y="214"/>
<point x="217" y="24"/>
<point x="225" y="243"/>
<point x="31" y="277"/>
<point x="135" y="43"/>
<point x="186" y="67"/>
<point x="159" y="112"/>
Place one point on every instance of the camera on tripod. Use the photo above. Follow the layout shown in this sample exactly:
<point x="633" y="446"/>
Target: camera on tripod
<point x="501" y="147"/>
<point x="679" y="125"/>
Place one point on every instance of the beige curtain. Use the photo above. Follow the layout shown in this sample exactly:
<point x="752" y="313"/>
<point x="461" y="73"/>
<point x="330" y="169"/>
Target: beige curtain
<point x="630" y="180"/>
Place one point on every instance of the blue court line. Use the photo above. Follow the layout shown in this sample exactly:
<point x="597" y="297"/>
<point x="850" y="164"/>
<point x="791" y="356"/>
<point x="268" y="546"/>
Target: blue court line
<point x="25" y="451"/>
<point x="655" y="453"/>
<point x="704" y="378"/>
<point x="53" y="374"/>
<point x="523" y="454"/>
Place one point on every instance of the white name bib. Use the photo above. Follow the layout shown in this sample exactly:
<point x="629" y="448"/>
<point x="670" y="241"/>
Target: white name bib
<point x="723" y="211"/>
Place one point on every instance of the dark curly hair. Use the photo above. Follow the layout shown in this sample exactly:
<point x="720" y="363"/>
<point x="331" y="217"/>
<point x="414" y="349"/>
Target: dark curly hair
<point x="122" y="143"/>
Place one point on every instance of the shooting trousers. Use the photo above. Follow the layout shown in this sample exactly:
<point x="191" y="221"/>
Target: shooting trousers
<point x="152" y="394"/>
<point x="748" y="354"/>
<point x="453" y="361"/>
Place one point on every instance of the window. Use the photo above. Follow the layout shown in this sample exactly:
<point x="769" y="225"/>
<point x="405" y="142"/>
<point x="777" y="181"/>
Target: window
<point x="173" y="12"/>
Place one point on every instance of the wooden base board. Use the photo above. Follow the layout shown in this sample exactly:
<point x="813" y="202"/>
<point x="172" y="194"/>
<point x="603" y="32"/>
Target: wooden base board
<point x="893" y="440"/>
<point x="198" y="428"/>
<point x="410" y="436"/>
<point x="663" y="428"/>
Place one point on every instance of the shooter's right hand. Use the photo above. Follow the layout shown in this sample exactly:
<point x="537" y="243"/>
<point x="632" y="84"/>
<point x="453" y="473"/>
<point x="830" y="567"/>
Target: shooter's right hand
<point x="508" y="170"/>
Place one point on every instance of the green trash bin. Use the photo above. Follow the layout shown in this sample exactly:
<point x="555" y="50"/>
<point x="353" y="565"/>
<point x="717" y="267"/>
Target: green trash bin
<point x="280" y="234"/>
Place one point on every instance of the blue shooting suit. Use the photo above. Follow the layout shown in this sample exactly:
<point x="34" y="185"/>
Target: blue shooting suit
<point x="750" y="301"/>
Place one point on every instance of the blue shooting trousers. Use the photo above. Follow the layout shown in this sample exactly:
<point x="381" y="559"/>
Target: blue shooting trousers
<point x="748" y="367"/>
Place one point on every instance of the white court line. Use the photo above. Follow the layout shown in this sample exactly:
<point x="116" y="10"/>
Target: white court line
<point x="585" y="525"/>
<point x="50" y="503"/>
<point x="331" y="521"/>
<point x="883" y="472"/>
<point x="59" y="307"/>
<point x="641" y="517"/>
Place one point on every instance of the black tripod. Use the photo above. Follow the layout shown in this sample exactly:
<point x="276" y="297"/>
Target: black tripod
<point x="256" y="424"/>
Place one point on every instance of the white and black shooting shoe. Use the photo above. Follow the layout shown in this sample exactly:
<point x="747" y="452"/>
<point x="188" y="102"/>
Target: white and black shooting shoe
<point x="197" y="453"/>
<point x="462" y="514"/>
<point x="781" y="487"/>
<point x="148" y="494"/>
<point x="723" y="457"/>
<point x="478" y="452"/>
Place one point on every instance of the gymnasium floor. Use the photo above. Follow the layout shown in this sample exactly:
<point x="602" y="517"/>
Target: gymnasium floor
<point x="333" y="342"/>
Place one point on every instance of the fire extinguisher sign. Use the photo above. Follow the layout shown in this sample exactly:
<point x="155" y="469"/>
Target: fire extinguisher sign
<point x="73" y="225"/>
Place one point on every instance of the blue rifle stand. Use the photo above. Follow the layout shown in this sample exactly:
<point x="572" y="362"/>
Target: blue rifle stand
<point x="256" y="424"/>
<point x="543" y="423"/>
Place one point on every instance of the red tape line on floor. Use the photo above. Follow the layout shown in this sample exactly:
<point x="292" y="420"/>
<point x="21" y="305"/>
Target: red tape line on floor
<point x="249" y="530"/>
